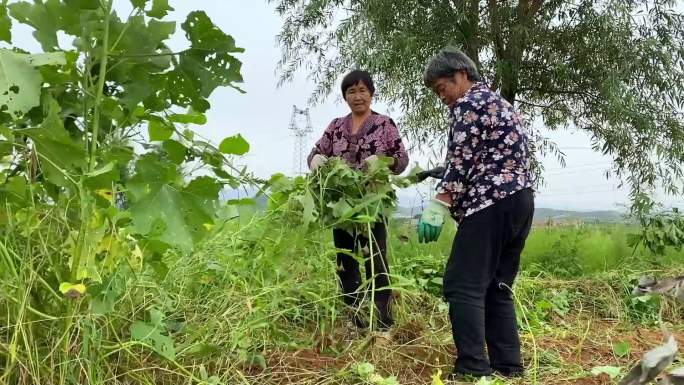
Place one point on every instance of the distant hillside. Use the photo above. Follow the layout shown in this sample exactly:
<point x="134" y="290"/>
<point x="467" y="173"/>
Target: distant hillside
<point x="544" y="214"/>
<point x="540" y="215"/>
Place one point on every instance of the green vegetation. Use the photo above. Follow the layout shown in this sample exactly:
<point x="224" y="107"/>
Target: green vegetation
<point x="258" y="303"/>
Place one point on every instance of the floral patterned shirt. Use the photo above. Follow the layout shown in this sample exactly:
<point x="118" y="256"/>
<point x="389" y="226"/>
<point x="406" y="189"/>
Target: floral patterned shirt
<point x="377" y="136"/>
<point x="488" y="154"/>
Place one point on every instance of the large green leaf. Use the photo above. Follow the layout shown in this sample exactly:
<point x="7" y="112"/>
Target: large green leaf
<point x="622" y="349"/>
<point x="309" y="206"/>
<point x="340" y="209"/>
<point x="171" y="216"/>
<point x="164" y="210"/>
<point x="175" y="150"/>
<point x="159" y="130"/>
<point x="142" y="74"/>
<point x="141" y="38"/>
<point x="59" y="154"/>
<point x="205" y="191"/>
<point x="150" y="173"/>
<point x="206" y="65"/>
<point x="20" y="82"/>
<point x="47" y="19"/>
<point x="137" y="88"/>
<point x="234" y="145"/>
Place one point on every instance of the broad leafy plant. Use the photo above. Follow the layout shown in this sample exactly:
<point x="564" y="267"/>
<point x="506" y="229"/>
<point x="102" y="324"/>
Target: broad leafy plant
<point x="97" y="156"/>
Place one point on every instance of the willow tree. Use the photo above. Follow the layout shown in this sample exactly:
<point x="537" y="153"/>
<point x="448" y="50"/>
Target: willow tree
<point x="613" y="68"/>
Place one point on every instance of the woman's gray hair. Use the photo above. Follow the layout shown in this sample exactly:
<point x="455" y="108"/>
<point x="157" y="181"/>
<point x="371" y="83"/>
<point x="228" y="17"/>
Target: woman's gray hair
<point x="446" y="63"/>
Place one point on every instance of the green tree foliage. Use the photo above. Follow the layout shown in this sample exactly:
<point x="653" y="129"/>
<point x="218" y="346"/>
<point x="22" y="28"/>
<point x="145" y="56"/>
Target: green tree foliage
<point x="614" y="69"/>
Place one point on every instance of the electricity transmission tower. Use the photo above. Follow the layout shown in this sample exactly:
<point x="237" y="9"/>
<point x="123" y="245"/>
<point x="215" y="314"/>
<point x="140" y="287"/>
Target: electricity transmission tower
<point x="300" y="134"/>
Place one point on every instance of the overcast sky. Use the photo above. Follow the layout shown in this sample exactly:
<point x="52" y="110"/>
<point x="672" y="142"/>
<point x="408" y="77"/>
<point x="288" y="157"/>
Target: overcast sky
<point x="262" y="115"/>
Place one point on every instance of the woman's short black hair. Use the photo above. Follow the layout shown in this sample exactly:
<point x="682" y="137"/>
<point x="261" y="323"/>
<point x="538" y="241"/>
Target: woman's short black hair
<point x="353" y="78"/>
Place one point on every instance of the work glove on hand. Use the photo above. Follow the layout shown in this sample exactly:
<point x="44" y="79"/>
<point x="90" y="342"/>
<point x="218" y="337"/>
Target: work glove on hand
<point x="437" y="173"/>
<point x="317" y="161"/>
<point x="367" y="162"/>
<point x="432" y="220"/>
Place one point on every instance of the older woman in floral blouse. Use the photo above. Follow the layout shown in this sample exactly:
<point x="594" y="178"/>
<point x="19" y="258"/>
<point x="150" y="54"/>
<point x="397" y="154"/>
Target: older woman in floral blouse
<point x="358" y="138"/>
<point x="487" y="189"/>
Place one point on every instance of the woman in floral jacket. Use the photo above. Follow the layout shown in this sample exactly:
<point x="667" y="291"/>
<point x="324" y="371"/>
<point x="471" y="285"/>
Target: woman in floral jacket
<point x="358" y="138"/>
<point x="487" y="189"/>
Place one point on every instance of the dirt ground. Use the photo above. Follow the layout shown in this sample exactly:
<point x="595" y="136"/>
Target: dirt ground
<point x="561" y="354"/>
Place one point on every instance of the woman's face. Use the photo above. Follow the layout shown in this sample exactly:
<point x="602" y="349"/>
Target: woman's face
<point x="451" y="89"/>
<point x="358" y="98"/>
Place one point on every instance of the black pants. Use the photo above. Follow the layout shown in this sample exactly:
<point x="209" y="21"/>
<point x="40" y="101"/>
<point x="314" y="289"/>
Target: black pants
<point x="479" y="275"/>
<point x="350" y="275"/>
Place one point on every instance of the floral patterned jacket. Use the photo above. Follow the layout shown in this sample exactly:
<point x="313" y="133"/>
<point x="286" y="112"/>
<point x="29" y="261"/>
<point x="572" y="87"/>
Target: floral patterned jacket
<point x="377" y="136"/>
<point x="488" y="154"/>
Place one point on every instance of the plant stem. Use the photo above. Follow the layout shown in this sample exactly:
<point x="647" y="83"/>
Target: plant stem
<point x="100" y="86"/>
<point x="372" y="264"/>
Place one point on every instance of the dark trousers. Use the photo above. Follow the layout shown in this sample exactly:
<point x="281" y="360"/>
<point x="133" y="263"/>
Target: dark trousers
<point x="349" y="273"/>
<point x="478" y="278"/>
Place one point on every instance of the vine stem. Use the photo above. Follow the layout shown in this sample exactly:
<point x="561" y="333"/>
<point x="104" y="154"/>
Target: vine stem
<point x="71" y="307"/>
<point x="93" y="143"/>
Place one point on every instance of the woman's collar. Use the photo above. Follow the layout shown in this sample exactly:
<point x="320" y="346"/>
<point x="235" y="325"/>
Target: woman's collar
<point x="473" y="87"/>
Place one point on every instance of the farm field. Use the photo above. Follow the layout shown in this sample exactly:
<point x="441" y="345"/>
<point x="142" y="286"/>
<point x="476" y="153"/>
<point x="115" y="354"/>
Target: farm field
<point x="258" y="304"/>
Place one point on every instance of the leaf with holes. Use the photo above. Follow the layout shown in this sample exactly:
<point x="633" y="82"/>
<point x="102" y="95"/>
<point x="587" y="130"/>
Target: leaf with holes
<point x="20" y="81"/>
<point x="208" y="64"/>
<point x="47" y="19"/>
